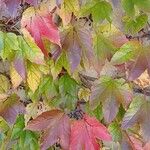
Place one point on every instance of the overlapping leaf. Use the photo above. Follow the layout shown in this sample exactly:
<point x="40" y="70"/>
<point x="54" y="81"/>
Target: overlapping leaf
<point x="68" y="89"/>
<point x="125" y="53"/>
<point x="14" y="6"/>
<point x="56" y="127"/>
<point x="111" y="92"/>
<point x="40" y="25"/>
<point x="77" y="41"/>
<point x="10" y="108"/>
<point x="92" y="130"/>
<point x="24" y="139"/>
<point x="134" y="26"/>
<point x="33" y="76"/>
<point x="141" y="63"/>
<point x="139" y="107"/>
<point x="67" y="8"/>
<point x="5" y="85"/>
<point x="100" y="10"/>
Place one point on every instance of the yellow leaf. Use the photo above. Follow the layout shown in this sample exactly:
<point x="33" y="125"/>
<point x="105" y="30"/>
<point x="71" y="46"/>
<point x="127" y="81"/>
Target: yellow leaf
<point x="33" y="76"/>
<point x="68" y="7"/>
<point x="4" y="84"/>
<point x="16" y="79"/>
<point x="84" y="93"/>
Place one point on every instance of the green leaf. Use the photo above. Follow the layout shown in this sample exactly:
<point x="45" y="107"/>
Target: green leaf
<point x="67" y="8"/>
<point x="68" y="89"/>
<point x="115" y="131"/>
<point x="133" y="112"/>
<point x="9" y="44"/>
<point x="143" y="5"/>
<point x="134" y="26"/>
<point x="100" y="10"/>
<point x="111" y="92"/>
<point x="24" y="139"/>
<point x="128" y="6"/>
<point x="103" y="47"/>
<point x="125" y="53"/>
<point x="4" y="84"/>
<point x="62" y="62"/>
<point x="30" y="50"/>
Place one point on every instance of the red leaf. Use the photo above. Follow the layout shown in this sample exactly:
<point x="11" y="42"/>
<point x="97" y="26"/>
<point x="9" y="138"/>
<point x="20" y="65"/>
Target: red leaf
<point x="85" y="132"/>
<point x="56" y="127"/>
<point x="40" y="25"/>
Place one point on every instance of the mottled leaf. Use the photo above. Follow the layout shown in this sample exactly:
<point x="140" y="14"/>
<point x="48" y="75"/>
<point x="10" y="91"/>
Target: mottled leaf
<point x="55" y="125"/>
<point x="111" y="92"/>
<point x="40" y="25"/>
<point x="10" y="108"/>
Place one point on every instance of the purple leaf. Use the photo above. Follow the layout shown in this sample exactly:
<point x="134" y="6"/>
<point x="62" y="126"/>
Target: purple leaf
<point x="11" y="108"/>
<point x="20" y="67"/>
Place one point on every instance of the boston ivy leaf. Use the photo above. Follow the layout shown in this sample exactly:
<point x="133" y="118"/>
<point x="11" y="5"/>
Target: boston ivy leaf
<point x="10" y="108"/>
<point x="33" y="76"/>
<point x="100" y="10"/>
<point x="40" y="25"/>
<point x="13" y="6"/>
<point x="115" y="131"/>
<point x="141" y="63"/>
<point x="55" y="125"/>
<point x="138" y="108"/>
<point x="9" y="42"/>
<point x="20" y="66"/>
<point x="132" y="113"/>
<point x="103" y="47"/>
<point x="77" y="42"/>
<point x="68" y="89"/>
<point x="111" y="92"/>
<point x="59" y="64"/>
<point x="143" y="5"/>
<point x="128" y="6"/>
<point x="86" y="132"/>
<point x="24" y="139"/>
<point x="4" y="87"/>
<point x="16" y="79"/>
<point x="125" y="53"/>
<point x="134" y="26"/>
<point x="28" y="48"/>
<point x="67" y="8"/>
<point x="32" y="2"/>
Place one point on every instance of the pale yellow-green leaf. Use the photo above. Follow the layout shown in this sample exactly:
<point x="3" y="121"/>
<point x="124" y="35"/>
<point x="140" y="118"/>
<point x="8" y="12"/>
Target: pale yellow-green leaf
<point x="57" y="66"/>
<point x="16" y="79"/>
<point x="67" y="7"/>
<point x="84" y="93"/>
<point x="4" y="87"/>
<point x="33" y="76"/>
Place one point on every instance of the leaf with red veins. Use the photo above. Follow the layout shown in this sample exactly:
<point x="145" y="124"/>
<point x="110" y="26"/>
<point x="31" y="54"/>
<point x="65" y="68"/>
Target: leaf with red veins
<point x="39" y="24"/>
<point x="10" y="108"/>
<point x="56" y="127"/>
<point x="85" y="134"/>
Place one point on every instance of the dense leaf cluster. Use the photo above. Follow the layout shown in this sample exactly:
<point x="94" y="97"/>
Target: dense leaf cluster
<point x="74" y="74"/>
